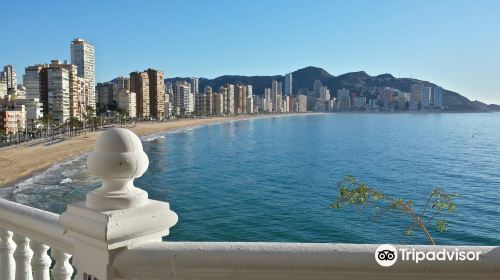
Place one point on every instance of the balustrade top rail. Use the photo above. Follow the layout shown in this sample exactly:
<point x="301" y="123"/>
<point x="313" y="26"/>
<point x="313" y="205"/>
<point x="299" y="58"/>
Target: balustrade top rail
<point x="261" y="260"/>
<point x="37" y="224"/>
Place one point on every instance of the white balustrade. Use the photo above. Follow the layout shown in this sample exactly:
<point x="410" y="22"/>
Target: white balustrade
<point x="7" y="248"/>
<point x="23" y="255"/>
<point x="41" y="261"/>
<point x="116" y="234"/>
<point x="62" y="268"/>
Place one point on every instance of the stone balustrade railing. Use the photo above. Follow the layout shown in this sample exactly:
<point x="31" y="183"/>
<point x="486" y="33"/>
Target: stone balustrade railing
<point x="116" y="234"/>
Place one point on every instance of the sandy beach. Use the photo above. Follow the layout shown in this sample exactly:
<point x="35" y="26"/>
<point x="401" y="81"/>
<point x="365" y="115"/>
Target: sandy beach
<point x="22" y="162"/>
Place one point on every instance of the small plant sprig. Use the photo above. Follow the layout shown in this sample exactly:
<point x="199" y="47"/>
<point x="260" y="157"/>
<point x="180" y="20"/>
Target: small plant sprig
<point x="439" y="204"/>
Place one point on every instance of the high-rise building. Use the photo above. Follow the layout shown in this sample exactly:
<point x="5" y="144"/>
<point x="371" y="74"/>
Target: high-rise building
<point x="107" y="95"/>
<point x="139" y="83"/>
<point x="195" y="87"/>
<point x="209" y="100"/>
<point x="184" y="102"/>
<point x="82" y="98"/>
<point x="437" y="98"/>
<point x="83" y="56"/>
<point x="343" y="100"/>
<point x="267" y="101"/>
<point x="249" y="100"/>
<point x="73" y="85"/>
<point x="302" y="103"/>
<point x="58" y="94"/>
<point x="9" y="75"/>
<point x="156" y="93"/>
<point x="288" y="84"/>
<point x="426" y="97"/>
<point x="229" y="99"/>
<point x="127" y="102"/>
<point x="31" y="80"/>
<point x="218" y="104"/>
<point x="276" y="92"/>
<point x="239" y="99"/>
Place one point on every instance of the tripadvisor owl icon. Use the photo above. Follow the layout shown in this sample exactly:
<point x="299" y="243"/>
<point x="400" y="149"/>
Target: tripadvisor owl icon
<point x="386" y="255"/>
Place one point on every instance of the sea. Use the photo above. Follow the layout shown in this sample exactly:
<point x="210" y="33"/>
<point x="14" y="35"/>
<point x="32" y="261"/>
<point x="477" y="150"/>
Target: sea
<point x="274" y="179"/>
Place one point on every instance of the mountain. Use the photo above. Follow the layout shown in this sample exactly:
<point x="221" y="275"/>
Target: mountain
<point x="359" y="82"/>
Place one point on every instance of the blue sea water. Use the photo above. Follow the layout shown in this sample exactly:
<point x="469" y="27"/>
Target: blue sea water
<point x="273" y="179"/>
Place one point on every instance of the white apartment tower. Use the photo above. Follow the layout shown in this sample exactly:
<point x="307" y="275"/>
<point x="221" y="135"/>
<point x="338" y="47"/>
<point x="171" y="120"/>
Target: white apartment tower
<point x="82" y="55"/>
<point x="58" y="93"/>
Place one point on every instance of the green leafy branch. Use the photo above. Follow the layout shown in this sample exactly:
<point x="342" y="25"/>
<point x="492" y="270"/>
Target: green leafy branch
<point x="438" y="206"/>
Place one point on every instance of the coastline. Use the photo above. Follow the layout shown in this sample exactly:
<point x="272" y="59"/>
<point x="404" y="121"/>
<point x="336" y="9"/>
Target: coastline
<point x="20" y="163"/>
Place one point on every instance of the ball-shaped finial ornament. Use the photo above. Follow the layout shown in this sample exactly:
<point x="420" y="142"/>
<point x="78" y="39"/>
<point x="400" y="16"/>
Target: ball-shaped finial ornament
<point x="117" y="159"/>
<point x="118" y="154"/>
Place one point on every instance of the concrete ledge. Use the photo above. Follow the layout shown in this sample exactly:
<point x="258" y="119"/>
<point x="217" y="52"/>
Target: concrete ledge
<point x="234" y="260"/>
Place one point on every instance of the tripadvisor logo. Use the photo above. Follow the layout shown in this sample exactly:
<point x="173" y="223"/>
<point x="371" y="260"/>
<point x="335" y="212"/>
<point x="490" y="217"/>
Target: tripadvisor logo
<point x="386" y="255"/>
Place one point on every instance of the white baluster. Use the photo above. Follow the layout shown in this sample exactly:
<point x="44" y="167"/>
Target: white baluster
<point x="40" y="264"/>
<point x="23" y="255"/>
<point x="62" y="269"/>
<point x="7" y="247"/>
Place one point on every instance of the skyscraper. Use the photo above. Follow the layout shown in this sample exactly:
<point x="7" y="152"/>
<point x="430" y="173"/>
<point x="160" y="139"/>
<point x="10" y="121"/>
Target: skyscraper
<point x="156" y="93"/>
<point x="82" y="55"/>
<point x="343" y="99"/>
<point x="139" y="83"/>
<point x="288" y="84"/>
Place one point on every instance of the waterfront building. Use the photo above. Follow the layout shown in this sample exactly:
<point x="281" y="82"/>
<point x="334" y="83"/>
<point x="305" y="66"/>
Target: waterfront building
<point x="276" y="92"/>
<point x="156" y="93"/>
<point x="31" y="80"/>
<point x="229" y="99"/>
<point x="218" y="104"/>
<point x="184" y="102"/>
<point x="195" y="86"/>
<point x="240" y="99"/>
<point x="301" y="103"/>
<point x="343" y="100"/>
<point x="209" y="101"/>
<point x="169" y="105"/>
<point x="199" y="104"/>
<point x="426" y="98"/>
<point x="416" y="96"/>
<point x="249" y="108"/>
<point x="267" y="101"/>
<point x="82" y="55"/>
<point x="257" y="104"/>
<point x="139" y="83"/>
<point x="403" y="100"/>
<point x="127" y="102"/>
<point x="437" y="98"/>
<point x="34" y="110"/>
<point x="58" y="94"/>
<point x="360" y="103"/>
<point x="82" y="96"/>
<point x="288" y="84"/>
<point x="107" y="97"/>
<point x="223" y="91"/>
<point x="74" y="97"/>
<point x="12" y="118"/>
<point x="324" y="94"/>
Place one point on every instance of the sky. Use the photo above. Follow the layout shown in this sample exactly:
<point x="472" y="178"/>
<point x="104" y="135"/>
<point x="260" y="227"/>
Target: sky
<point x="453" y="43"/>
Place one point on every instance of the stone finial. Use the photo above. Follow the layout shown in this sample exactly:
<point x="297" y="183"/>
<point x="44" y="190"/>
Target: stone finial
<point x="117" y="159"/>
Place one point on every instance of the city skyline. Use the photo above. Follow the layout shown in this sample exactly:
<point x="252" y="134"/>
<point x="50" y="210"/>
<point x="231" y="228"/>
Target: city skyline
<point x="450" y="43"/>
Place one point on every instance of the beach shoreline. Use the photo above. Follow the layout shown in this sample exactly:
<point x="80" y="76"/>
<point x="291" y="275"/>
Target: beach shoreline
<point x="20" y="163"/>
